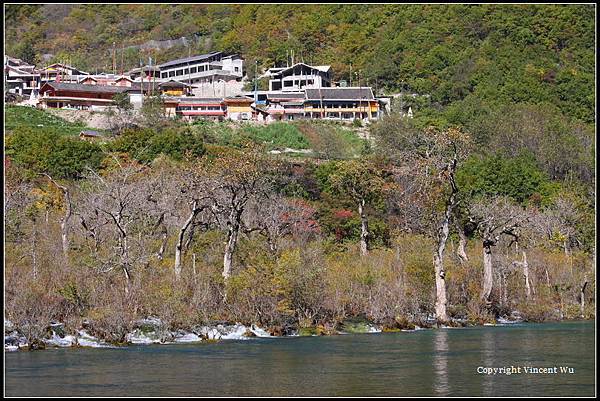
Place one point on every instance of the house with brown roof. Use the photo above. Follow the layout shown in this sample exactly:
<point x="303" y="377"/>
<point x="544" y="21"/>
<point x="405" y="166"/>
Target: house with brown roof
<point x="78" y="96"/>
<point x="341" y="103"/>
<point x="192" y="108"/>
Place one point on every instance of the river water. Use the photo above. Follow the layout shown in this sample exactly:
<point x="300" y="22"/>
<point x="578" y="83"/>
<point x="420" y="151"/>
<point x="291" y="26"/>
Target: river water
<point x="441" y="362"/>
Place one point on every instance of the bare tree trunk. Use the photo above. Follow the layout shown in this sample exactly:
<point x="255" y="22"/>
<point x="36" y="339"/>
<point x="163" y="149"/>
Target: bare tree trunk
<point x="179" y="245"/>
<point x="504" y="290"/>
<point x="124" y="260"/>
<point x="440" y="274"/>
<point x="438" y="256"/>
<point x="232" y="236"/>
<point x="583" y="297"/>
<point x="526" y="274"/>
<point x="33" y="250"/>
<point x="194" y="267"/>
<point x="68" y="212"/>
<point x="487" y="271"/>
<point x="364" y="228"/>
<point x="127" y="278"/>
<point x="462" y="244"/>
<point x="163" y="245"/>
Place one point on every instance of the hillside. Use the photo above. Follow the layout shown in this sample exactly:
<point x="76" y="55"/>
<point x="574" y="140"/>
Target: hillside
<point x="469" y="56"/>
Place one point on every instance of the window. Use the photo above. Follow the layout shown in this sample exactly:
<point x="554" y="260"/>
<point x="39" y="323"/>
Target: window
<point x="194" y="70"/>
<point x="171" y="74"/>
<point x="179" y="72"/>
<point x="186" y="71"/>
<point x="237" y="69"/>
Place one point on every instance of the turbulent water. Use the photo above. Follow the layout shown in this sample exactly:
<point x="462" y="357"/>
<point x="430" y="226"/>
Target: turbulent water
<point x="443" y="362"/>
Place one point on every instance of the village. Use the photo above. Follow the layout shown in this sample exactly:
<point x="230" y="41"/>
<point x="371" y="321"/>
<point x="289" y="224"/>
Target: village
<point x="208" y="86"/>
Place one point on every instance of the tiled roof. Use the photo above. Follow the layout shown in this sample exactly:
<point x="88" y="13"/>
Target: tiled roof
<point x="86" y="88"/>
<point x="353" y="93"/>
<point x="238" y="99"/>
<point x="285" y="96"/>
<point x="194" y="99"/>
<point x="187" y="60"/>
<point x="90" y="133"/>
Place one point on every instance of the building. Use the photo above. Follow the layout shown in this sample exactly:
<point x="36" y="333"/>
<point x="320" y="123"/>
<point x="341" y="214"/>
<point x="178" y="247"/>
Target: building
<point x="191" y="108"/>
<point x="61" y="72"/>
<point x="298" y="77"/>
<point x="107" y="79"/>
<point x="21" y="78"/>
<point x="89" y="135"/>
<point x="78" y="96"/>
<point x="204" y="68"/>
<point x="239" y="108"/>
<point x="174" y="88"/>
<point x="339" y="103"/>
<point x="148" y="72"/>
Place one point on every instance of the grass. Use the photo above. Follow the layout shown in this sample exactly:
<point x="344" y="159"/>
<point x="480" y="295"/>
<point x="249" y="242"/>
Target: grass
<point x="278" y="135"/>
<point x="28" y="117"/>
<point x="332" y="141"/>
<point x="327" y="140"/>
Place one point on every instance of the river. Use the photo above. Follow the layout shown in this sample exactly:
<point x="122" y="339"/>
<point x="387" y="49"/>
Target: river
<point x="442" y="362"/>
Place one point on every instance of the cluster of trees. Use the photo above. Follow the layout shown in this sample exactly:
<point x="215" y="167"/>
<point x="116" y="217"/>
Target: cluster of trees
<point x="482" y="204"/>
<point x="155" y="222"/>
<point x="486" y="55"/>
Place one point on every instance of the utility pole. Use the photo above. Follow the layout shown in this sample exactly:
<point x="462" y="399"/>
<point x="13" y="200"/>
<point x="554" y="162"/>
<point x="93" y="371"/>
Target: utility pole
<point x="151" y="72"/>
<point x="188" y="67"/>
<point x="142" y="75"/>
<point x="321" y="101"/>
<point x="256" y="86"/>
<point x="359" y="94"/>
<point x="114" y="58"/>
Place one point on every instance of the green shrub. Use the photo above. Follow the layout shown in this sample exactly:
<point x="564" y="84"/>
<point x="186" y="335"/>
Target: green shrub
<point x="52" y="153"/>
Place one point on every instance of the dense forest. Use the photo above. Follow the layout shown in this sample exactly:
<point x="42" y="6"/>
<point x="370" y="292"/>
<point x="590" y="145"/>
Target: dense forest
<point x="474" y="57"/>
<point x="481" y="206"/>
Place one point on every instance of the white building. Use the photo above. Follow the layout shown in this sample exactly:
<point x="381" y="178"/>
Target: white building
<point x="204" y="68"/>
<point x="21" y="78"/>
<point x="298" y="77"/>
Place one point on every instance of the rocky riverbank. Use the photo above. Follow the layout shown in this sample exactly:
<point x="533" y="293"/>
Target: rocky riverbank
<point x="154" y="331"/>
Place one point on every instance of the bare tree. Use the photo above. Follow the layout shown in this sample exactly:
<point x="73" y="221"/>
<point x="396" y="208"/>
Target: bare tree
<point x="64" y="222"/>
<point x="558" y="223"/>
<point x="276" y="217"/>
<point x="114" y="209"/>
<point x="494" y="218"/>
<point x="362" y="181"/>
<point x="239" y="179"/>
<point x="191" y="194"/>
<point x="431" y="157"/>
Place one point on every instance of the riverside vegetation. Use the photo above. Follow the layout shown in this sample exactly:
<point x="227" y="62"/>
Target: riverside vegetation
<point x="481" y="205"/>
<point x="199" y="224"/>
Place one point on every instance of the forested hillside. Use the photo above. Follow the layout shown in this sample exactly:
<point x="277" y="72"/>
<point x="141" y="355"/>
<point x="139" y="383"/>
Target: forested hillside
<point x="470" y="56"/>
<point x="480" y="207"/>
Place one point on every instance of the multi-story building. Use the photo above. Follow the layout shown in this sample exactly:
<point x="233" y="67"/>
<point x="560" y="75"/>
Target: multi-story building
<point x="204" y="68"/>
<point x="341" y="103"/>
<point x="298" y="77"/>
<point x="78" y="96"/>
<point x="206" y="108"/>
<point x="90" y="97"/>
<point x="61" y="72"/>
<point x="239" y="108"/>
<point x="20" y="78"/>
